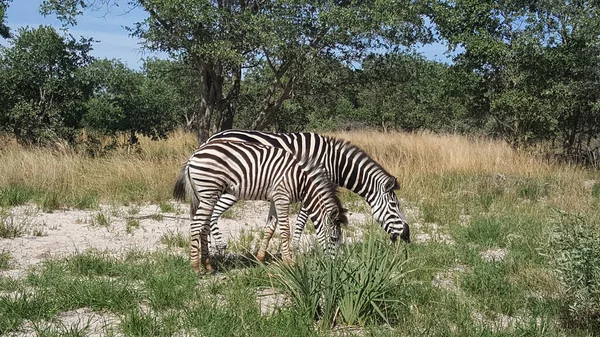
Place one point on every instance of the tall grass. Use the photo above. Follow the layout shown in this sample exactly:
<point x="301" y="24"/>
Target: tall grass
<point x="64" y="177"/>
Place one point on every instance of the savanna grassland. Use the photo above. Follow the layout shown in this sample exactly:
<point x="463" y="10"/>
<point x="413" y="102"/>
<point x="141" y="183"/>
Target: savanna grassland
<point x="504" y="243"/>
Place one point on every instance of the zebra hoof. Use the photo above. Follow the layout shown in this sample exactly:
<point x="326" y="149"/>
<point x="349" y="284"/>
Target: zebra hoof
<point x="260" y="256"/>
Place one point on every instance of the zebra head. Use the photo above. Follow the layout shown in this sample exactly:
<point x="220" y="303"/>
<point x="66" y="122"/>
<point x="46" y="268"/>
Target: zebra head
<point x="387" y="211"/>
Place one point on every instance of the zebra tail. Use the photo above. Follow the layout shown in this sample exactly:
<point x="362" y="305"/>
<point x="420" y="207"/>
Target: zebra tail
<point x="180" y="189"/>
<point x="183" y="187"/>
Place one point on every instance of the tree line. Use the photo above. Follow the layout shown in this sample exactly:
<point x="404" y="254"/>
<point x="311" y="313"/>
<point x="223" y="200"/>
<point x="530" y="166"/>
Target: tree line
<point x="524" y="71"/>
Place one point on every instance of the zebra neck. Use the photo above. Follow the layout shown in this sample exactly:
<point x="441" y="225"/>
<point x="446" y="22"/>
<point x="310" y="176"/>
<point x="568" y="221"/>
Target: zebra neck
<point x="353" y="169"/>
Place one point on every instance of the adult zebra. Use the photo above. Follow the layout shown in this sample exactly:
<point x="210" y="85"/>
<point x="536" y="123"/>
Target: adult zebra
<point x="346" y="165"/>
<point x="258" y="172"/>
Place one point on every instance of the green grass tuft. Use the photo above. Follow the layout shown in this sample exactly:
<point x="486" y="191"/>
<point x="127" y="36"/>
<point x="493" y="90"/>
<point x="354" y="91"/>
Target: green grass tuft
<point x="10" y="227"/>
<point x="15" y="195"/>
<point x="5" y="258"/>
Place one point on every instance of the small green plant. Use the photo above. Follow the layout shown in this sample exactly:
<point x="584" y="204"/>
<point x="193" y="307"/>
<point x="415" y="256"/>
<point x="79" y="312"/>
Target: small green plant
<point x="166" y="207"/>
<point x="10" y="227"/>
<point x="133" y="210"/>
<point x="16" y="195"/>
<point x="132" y="224"/>
<point x="575" y="247"/>
<point x="86" y="201"/>
<point x="596" y="190"/>
<point x="51" y="201"/>
<point x="175" y="239"/>
<point x="532" y="189"/>
<point x="101" y="219"/>
<point x="157" y="217"/>
<point x="5" y="258"/>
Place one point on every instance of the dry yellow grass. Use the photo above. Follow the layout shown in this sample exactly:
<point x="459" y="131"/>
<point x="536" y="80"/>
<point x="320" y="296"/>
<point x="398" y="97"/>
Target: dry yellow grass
<point x="149" y="172"/>
<point x="431" y="153"/>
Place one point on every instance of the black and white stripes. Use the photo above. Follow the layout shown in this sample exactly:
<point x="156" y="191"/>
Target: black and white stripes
<point x="346" y="165"/>
<point x="247" y="170"/>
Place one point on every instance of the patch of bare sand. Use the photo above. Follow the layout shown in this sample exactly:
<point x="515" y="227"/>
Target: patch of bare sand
<point x="65" y="232"/>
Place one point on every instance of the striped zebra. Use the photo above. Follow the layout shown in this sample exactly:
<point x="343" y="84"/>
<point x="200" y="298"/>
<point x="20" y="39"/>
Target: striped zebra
<point x="346" y="165"/>
<point x="257" y="172"/>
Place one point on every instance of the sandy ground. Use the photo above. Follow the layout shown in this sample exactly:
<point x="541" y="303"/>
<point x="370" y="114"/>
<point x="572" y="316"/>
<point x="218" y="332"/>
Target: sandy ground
<point x="64" y="232"/>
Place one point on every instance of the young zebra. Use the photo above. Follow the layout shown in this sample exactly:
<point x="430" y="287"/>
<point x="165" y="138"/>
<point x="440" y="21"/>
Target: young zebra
<point x="257" y="172"/>
<point x="346" y="165"/>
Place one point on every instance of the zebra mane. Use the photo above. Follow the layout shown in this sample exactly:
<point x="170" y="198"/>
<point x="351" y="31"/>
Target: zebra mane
<point x="347" y="145"/>
<point x="319" y="174"/>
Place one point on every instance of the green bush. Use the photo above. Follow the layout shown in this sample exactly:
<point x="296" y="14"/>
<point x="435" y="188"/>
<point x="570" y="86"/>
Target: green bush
<point x="351" y="288"/>
<point x="575" y="248"/>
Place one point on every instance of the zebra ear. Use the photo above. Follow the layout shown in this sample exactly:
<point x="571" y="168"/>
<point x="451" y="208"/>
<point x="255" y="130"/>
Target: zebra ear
<point x="392" y="184"/>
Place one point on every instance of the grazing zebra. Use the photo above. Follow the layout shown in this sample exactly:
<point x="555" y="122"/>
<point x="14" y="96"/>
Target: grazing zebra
<point x="256" y="172"/>
<point x="346" y="165"/>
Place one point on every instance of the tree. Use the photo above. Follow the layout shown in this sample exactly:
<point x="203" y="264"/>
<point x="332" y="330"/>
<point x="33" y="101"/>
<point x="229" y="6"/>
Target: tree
<point x="130" y="102"/>
<point x="538" y="64"/>
<point x="220" y="38"/>
<point x="177" y="75"/>
<point x="44" y="93"/>
<point x="4" y="30"/>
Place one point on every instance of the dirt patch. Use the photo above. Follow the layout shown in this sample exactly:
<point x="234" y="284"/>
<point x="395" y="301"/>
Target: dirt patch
<point x="494" y="255"/>
<point x="64" y="232"/>
<point x="92" y="323"/>
<point x="270" y="299"/>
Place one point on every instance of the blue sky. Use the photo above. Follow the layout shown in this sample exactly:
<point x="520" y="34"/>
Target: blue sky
<point x="107" y="26"/>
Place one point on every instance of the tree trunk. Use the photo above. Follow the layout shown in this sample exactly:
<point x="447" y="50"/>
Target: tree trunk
<point x="226" y="120"/>
<point x="270" y="106"/>
<point x="211" y="81"/>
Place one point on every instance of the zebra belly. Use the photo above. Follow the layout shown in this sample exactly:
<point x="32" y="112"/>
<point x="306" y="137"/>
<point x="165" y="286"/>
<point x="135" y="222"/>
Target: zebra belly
<point x="248" y="193"/>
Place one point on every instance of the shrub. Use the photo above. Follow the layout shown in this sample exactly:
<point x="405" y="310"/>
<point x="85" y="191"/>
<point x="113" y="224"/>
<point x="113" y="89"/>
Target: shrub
<point x="350" y="288"/>
<point x="575" y="248"/>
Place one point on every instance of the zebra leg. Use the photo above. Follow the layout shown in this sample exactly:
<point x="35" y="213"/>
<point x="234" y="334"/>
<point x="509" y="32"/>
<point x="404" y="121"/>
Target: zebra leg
<point x="282" y="206"/>
<point x="269" y="231"/>
<point x="224" y="203"/>
<point x="328" y="234"/>
<point x="199" y="230"/>
<point x="300" y="223"/>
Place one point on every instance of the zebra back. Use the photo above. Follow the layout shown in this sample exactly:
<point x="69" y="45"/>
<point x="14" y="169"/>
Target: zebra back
<point x="346" y="164"/>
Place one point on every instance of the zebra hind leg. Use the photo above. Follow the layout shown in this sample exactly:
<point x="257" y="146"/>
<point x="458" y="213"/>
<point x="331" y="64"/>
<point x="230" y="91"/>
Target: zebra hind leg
<point x="199" y="234"/>
<point x="224" y="203"/>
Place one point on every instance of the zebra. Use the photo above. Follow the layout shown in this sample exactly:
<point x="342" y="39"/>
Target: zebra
<point x="346" y="165"/>
<point x="257" y="172"/>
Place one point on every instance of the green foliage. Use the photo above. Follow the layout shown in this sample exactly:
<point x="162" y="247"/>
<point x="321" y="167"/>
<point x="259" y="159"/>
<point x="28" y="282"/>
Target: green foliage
<point x="43" y="88"/>
<point x="4" y="30"/>
<point x="15" y="195"/>
<point x="175" y="239"/>
<point x="351" y="287"/>
<point x="285" y="37"/>
<point x="10" y="227"/>
<point x="5" y="258"/>
<point x="575" y="251"/>
<point x="537" y="67"/>
<point x="127" y="101"/>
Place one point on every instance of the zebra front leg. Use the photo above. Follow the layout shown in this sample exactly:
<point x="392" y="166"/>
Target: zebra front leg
<point x="224" y="203"/>
<point x="300" y="223"/>
<point x="269" y="230"/>
<point x="282" y="206"/>
<point x="329" y="234"/>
